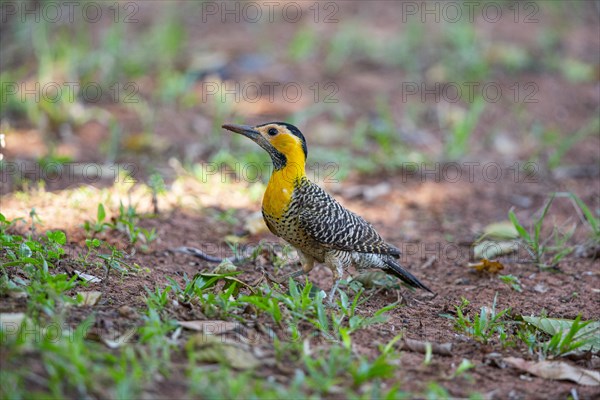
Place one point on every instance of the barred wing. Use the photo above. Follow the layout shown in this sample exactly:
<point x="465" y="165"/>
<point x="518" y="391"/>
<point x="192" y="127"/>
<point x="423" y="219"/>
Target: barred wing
<point x="333" y="226"/>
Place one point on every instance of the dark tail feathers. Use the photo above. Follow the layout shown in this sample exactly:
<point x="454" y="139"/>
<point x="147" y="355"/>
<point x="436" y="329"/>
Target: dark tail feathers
<point x="396" y="270"/>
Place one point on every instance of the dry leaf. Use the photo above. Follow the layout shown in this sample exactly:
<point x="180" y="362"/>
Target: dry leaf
<point x="491" y="249"/>
<point x="213" y="327"/>
<point x="499" y="231"/>
<point x="88" y="278"/>
<point x="493" y="267"/>
<point x="89" y="298"/>
<point x="225" y="267"/>
<point x="211" y="349"/>
<point x="589" y="333"/>
<point x="556" y="370"/>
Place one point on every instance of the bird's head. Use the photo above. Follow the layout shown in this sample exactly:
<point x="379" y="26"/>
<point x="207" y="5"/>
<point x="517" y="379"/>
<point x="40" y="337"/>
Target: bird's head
<point x="284" y="142"/>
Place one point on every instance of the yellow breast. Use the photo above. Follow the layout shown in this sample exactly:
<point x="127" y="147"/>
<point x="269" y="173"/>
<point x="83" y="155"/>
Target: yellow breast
<point x="278" y="194"/>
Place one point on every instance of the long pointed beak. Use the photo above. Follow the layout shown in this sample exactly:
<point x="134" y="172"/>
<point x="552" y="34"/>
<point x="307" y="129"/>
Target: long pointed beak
<point x="277" y="157"/>
<point x="245" y="130"/>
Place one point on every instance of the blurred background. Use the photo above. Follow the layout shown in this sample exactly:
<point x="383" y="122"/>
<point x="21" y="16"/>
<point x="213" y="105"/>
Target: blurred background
<point x="373" y="85"/>
<point x="112" y="157"/>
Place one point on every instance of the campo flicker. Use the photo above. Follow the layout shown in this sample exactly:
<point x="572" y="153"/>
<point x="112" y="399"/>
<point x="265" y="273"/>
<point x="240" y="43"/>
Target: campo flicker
<point x="312" y="221"/>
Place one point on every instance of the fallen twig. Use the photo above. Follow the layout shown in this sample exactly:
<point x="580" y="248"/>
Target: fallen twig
<point x="202" y="255"/>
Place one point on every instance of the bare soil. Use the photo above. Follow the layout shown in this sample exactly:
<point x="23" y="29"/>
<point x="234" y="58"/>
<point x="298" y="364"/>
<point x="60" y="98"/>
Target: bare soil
<point x="427" y="215"/>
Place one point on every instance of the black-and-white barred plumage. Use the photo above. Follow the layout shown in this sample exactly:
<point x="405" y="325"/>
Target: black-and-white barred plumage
<point x="322" y="230"/>
<point x="308" y="218"/>
<point x="336" y="227"/>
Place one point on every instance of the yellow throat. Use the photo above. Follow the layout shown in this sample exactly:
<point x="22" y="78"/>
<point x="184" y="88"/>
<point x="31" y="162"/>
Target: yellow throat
<point x="282" y="182"/>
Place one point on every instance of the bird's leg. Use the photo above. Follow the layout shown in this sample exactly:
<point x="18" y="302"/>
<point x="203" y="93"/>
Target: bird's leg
<point x="337" y="268"/>
<point x="333" y="290"/>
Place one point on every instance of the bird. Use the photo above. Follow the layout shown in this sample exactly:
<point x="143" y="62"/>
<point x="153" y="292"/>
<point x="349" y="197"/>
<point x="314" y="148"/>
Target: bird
<point x="311" y="220"/>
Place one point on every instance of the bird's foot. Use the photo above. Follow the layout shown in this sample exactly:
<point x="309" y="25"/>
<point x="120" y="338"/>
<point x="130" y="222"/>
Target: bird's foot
<point x="332" y="293"/>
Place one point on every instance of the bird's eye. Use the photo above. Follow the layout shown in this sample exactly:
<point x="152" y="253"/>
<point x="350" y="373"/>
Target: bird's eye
<point x="272" y="132"/>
